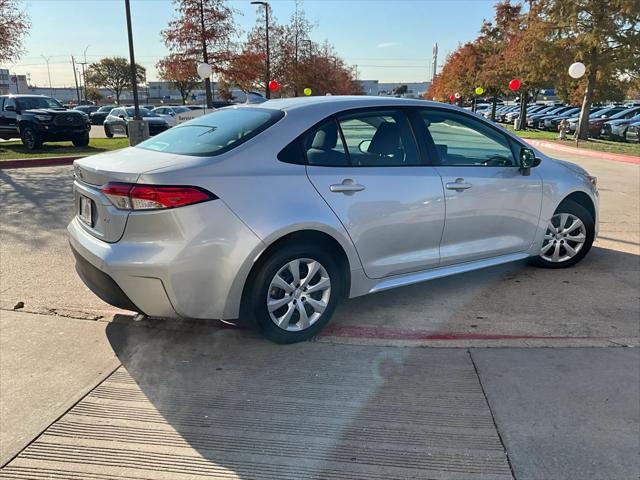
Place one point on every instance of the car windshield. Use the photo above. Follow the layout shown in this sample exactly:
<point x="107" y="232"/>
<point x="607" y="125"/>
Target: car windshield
<point x="29" y="103"/>
<point x="215" y="133"/>
<point x="143" y="112"/>
<point x="106" y="109"/>
<point x="181" y="109"/>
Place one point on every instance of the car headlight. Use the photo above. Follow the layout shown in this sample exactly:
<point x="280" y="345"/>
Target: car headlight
<point x="593" y="181"/>
<point x="43" y="118"/>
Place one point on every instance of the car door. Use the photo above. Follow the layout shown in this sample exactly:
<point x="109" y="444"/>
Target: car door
<point x="492" y="209"/>
<point x="9" y="120"/>
<point x="369" y="170"/>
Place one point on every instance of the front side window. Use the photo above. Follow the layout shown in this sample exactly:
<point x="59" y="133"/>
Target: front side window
<point x="461" y="140"/>
<point x="214" y="133"/>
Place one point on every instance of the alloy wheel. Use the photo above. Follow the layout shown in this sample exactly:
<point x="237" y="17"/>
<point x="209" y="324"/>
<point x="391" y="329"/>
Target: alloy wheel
<point x="564" y="238"/>
<point x="298" y="294"/>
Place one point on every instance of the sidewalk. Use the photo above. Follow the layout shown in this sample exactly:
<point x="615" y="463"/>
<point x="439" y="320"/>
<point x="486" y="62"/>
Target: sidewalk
<point x="225" y="403"/>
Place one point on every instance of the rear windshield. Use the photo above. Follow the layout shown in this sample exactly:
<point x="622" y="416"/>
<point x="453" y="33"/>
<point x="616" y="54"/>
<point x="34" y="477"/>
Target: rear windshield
<point x="215" y="133"/>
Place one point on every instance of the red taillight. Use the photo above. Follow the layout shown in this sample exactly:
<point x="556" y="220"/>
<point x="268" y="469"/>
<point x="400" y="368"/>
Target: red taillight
<point x="128" y="196"/>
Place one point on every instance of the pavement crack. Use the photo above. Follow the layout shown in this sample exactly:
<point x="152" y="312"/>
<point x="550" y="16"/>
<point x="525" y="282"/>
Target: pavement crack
<point x="493" y="417"/>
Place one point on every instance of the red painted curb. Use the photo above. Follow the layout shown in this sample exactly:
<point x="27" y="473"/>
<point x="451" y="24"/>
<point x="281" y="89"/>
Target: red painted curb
<point x="383" y="333"/>
<point x="614" y="157"/>
<point x="38" y="162"/>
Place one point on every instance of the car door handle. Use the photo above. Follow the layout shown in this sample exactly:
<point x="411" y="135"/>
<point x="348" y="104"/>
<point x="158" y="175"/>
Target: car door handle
<point x="347" y="186"/>
<point x="458" y="185"/>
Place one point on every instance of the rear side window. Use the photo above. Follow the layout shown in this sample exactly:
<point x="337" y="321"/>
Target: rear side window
<point x="215" y="133"/>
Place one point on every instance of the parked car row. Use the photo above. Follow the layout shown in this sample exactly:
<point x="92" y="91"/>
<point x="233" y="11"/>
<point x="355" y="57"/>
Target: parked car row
<point x="612" y="122"/>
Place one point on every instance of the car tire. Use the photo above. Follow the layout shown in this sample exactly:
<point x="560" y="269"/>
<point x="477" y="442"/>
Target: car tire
<point x="311" y="295"/>
<point x="81" y="140"/>
<point x="107" y="131"/>
<point x="30" y="138"/>
<point x="564" y="238"/>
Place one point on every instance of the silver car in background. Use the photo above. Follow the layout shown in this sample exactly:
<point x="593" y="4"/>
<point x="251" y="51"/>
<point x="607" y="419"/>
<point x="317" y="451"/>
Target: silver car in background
<point x="271" y="213"/>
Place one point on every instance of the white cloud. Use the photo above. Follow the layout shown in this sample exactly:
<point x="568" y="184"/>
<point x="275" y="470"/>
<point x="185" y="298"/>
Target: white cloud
<point x="388" y="44"/>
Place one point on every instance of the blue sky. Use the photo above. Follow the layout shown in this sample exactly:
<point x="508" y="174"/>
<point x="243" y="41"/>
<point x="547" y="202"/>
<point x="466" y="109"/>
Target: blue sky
<point x="389" y="40"/>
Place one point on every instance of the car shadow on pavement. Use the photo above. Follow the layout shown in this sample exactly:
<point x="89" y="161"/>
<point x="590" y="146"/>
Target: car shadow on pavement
<point x="225" y="403"/>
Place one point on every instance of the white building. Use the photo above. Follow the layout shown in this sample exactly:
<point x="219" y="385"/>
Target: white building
<point x="10" y="83"/>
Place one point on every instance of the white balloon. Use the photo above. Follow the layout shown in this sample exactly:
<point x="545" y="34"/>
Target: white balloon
<point x="204" y="70"/>
<point x="457" y="95"/>
<point x="576" y="70"/>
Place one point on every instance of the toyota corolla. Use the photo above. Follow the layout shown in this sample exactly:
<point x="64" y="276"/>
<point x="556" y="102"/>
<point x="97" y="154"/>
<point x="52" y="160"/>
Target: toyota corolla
<point x="271" y="213"/>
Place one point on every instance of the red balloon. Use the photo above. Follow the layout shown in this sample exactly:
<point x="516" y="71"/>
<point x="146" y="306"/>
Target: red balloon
<point x="452" y="98"/>
<point x="514" y="85"/>
<point x="274" y="86"/>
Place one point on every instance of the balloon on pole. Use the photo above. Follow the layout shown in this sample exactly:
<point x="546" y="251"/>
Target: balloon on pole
<point x="479" y="91"/>
<point x="457" y="95"/>
<point x="204" y="70"/>
<point x="274" y="86"/>
<point x="577" y="70"/>
<point x="514" y="85"/>
<point x="452" y="98"/>
<point x="307" y="91"/>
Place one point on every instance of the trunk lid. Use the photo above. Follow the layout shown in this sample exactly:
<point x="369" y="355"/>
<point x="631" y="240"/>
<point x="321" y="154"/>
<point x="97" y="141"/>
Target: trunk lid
<point x="106" y="222"/>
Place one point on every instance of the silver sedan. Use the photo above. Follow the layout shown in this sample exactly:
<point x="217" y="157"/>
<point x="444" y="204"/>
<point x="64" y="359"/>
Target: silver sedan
<point x="271" y="213"/>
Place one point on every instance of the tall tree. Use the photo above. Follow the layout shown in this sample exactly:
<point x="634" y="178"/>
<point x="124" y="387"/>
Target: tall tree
<point x="180" y="72"/>
<point x="204" y="32"/>
<point x="603" y="35"/>
<point x="113" y="73"/>
<point x="14" y="25"/>
<point x="493" y="43"/>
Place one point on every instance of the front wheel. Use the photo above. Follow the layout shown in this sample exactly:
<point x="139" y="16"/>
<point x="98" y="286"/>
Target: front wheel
<point x="30" y="138"/>
<point x="569" y="236"/>
<point x="81" y="140"/>
<point x="294" y="293"/>
<point x="107" y="131"/>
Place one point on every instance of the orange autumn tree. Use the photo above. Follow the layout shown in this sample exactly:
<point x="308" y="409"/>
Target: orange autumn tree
<point x="181" y="73"/>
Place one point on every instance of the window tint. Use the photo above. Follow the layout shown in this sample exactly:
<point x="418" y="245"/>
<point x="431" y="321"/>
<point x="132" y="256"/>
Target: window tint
<point x="215" y="133"/>
<point x="462" y="141"/>
<point x="323" y="146"/>
<point x="379" y="139"/>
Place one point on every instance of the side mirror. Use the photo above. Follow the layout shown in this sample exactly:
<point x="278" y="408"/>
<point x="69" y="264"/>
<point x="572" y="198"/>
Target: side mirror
<point x="10" y="108"/>
<point x="364" y="146"/>
<point x="528" y="160"/>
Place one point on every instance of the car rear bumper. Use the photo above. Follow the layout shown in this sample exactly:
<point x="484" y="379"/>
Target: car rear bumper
<point x="102" y="284"/>
<point x="190" y="262"/>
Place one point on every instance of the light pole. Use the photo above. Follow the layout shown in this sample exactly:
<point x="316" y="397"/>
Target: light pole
<point x="46" y="59"/>
<point x="268" y="67"/>
<point x="84" y="78"/>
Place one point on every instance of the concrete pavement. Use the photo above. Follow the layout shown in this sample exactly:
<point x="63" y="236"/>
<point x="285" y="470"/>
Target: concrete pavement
<point x="47" y="364"/>
<point x="566" y="413"/>
<point x="202" y="402"/>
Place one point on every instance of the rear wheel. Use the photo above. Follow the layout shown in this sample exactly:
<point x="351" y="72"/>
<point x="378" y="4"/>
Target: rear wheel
<point x="294" y="293"/>
<point x="30" y="138"/>
<point x="81" y="140"/>
<point x="569" y="236"/>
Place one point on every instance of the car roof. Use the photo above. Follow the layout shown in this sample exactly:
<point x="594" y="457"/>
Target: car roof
<point x="23" y="95"/>
<point x="342" y="102"/>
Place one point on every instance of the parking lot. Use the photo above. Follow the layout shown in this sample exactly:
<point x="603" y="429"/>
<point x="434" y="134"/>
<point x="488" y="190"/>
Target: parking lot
<point x="202" y="400"/>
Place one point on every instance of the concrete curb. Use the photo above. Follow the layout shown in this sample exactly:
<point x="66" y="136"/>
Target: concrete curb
<point x="38" y="162"/>
<point x="614" y="157"/>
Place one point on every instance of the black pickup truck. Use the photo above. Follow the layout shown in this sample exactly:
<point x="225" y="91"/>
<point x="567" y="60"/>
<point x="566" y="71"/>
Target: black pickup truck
<point x="36" y="119"/>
